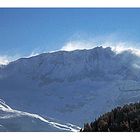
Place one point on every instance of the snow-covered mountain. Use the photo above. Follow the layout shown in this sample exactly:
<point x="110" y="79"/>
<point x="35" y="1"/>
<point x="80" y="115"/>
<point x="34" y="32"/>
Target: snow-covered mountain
<point x="18" y="121"/>
<point x="71" y="87"/>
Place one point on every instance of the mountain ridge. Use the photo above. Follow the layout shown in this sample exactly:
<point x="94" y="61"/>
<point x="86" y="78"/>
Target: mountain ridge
<point x="64" y="85"/>
<point x="62" y="59"/>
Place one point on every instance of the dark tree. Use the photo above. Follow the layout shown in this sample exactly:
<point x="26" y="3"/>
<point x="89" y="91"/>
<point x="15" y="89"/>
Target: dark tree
<point x="120" y="119"/>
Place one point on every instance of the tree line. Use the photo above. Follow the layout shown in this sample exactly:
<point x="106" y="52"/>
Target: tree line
<point x="120" y="119"/>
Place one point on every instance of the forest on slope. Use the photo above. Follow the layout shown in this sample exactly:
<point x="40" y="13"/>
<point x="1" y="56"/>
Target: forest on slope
<point x="120" y="119"/>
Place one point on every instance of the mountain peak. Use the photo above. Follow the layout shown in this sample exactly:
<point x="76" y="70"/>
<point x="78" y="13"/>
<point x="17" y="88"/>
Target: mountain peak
<point x="97" y="63"/>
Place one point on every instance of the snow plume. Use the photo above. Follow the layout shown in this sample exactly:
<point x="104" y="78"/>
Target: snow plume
<point x="36" y="51"/>
<point x="4" y="60"/>
<point x="117" y="47"/>
<point x="124" y="46"/>
<point x="33" y="54"/>
<point x="77" y="45"/>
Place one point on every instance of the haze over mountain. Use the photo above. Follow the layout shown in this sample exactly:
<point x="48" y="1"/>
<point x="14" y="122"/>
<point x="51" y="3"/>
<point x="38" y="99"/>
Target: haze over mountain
<point x="71" y="87"/>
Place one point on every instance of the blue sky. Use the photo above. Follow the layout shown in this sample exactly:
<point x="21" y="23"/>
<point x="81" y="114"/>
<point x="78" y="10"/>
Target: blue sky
<point x="24" y="32"/>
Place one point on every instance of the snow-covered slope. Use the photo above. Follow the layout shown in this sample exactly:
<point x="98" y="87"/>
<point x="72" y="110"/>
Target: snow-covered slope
<point x="17" y="121"/>
<point x="74" y="86"/>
